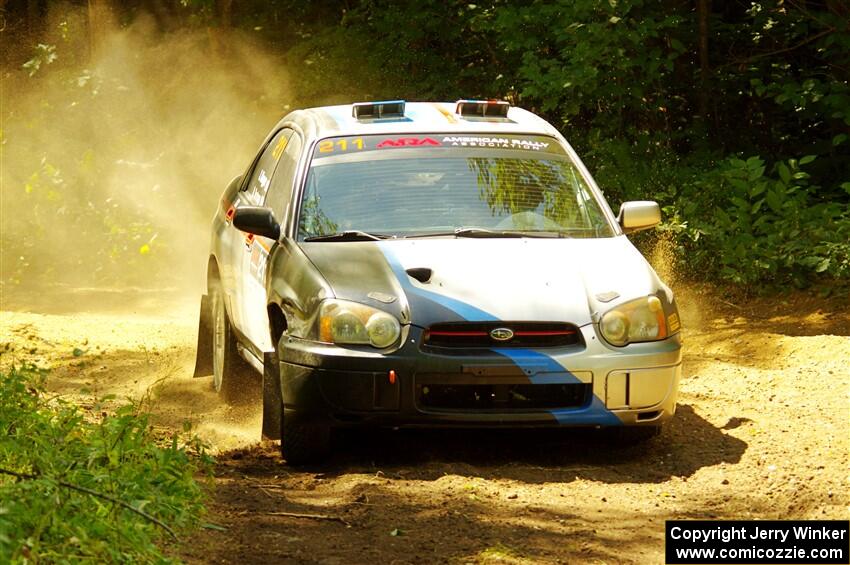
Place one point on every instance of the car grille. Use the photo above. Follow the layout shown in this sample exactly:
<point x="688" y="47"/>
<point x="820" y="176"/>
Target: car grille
<point x="525" y="334"/>
<point x="502" y="397"/>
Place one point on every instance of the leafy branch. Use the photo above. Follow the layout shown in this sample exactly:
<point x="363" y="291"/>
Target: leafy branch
<point x="92" y="492"/>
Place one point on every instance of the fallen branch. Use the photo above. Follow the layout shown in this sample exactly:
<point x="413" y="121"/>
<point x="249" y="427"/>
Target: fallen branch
<point x="94" y="493"/>
<point x="311" y="517"/>
<point x="265" y="492"/>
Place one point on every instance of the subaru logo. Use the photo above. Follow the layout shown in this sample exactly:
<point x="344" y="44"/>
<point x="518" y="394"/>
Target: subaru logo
<point x="502" y="334"/>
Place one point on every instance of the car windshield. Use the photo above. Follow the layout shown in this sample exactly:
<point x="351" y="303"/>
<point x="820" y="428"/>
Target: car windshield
<point x="433" y="186"/>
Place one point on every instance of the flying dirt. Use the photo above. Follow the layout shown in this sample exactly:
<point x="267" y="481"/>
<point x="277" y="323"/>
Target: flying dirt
<point x="113" y="165"/>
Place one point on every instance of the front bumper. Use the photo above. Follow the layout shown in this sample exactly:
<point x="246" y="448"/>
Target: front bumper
<point x="634" y="385"/>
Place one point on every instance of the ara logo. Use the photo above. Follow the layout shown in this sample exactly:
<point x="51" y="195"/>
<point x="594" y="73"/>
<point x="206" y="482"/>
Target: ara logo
<point x="408" y="142"/>
<point x="502" y="334"/>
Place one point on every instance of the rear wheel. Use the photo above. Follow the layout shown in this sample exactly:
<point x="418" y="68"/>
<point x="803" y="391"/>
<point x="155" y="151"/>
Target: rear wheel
<point x="227" y="365"/>
<point x="303" y="442"/>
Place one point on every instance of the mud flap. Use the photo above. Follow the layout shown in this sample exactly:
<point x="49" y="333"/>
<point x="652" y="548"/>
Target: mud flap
<point x="204" y="354"/>
<point x="272" y="399"/>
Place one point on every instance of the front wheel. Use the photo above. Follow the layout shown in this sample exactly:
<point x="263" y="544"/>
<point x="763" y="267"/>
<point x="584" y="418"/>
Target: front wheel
<point x="303" y="442"/>
<point x="226" y="361"/>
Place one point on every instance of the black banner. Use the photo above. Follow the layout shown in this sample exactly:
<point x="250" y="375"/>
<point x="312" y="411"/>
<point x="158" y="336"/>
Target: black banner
<point x="757" y="541"/>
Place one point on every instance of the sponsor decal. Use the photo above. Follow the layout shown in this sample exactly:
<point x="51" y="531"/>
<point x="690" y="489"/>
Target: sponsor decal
<point x="347" y="145"/>
<point x="259" y="259"/>
<point x="409" y="142"/>
<point x="329" y="145"/>
<point x="278" y="149"/>
<point x="264" y="180"/>
<point x="673" y="322"/>
<point x="498" y="142"/>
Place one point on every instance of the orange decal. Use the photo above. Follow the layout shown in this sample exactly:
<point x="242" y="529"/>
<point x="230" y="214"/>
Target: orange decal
<point x="278" y="149"/>
<point x="446" y="114"/>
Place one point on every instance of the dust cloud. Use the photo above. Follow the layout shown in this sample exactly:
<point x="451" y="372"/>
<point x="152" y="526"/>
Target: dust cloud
<point x="665" y="256"/>
<point x="114" y="157"/>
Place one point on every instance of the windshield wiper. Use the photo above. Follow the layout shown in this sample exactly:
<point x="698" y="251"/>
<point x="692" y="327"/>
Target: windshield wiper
<point x="483" y="232"/>
<point x="348" y="235"/>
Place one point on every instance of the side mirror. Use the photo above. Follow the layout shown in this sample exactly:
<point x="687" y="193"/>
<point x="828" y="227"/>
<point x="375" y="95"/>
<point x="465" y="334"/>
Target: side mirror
<point x="639" y="215"/>
<point x="257" y="220"/>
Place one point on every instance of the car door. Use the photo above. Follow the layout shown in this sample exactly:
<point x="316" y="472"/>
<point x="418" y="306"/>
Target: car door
<point x="279" y="199"/>
<point x="251" y="319"/>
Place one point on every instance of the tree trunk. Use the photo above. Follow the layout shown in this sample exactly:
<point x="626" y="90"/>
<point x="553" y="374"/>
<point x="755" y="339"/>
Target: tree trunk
<point x="33" y="17"/>
<point x="703" y="12"/>
<point x="100" y="21"/>
<point x="224" y="12"/>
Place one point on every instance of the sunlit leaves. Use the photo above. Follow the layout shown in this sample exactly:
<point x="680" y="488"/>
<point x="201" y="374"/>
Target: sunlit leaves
<point x="44" y="55"/>
<point x="111" y="451"/>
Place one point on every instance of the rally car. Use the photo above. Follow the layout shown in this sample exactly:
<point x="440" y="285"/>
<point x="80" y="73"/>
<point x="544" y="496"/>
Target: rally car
<point x="433" y="264"/>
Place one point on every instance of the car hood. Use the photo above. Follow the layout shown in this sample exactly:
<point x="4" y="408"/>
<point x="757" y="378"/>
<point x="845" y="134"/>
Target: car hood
<point x="527" y="279"/>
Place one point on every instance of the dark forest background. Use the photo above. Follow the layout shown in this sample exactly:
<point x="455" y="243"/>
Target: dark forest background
<point x="734" y="115"/>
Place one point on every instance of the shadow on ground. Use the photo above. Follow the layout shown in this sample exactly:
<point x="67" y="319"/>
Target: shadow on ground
<point x="687" y="444"/>
<point x="447" y="496"/>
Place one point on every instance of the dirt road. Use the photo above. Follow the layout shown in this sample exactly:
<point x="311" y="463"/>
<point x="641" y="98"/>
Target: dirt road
<point x="762" y="431"/>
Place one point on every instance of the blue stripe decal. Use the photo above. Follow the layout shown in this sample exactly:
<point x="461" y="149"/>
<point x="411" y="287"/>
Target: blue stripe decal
<point x="544" y="370"/>
<point x="412" y="113"/>
<point x="594" y="415"/>
<point x="383" y="120"/>
<point x="539" y="367"/>
<point x="462" y="309"/>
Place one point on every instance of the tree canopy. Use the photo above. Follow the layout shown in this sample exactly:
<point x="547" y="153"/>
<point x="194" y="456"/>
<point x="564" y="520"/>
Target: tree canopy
<point x="734" y="115"/>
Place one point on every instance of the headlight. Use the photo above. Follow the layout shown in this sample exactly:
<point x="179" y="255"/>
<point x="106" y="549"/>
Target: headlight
<point x="344" y="322"/>
<point x="638" y="320"/>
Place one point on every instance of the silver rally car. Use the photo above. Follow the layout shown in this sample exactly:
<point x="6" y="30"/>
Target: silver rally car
<point x="433" y="264"/>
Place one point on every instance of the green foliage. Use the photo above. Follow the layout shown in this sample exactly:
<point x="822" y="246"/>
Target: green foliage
<point x="116" y="454"/>
<point x="751" y="225"/>
<point x="622" y="80"/>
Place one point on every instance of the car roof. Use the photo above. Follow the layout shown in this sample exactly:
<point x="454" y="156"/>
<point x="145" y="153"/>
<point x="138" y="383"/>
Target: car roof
<point x="419" y="117"/>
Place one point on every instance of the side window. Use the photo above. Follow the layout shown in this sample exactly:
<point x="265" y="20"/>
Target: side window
<point x="261" y="177"/>
<point x="280" y="194"/>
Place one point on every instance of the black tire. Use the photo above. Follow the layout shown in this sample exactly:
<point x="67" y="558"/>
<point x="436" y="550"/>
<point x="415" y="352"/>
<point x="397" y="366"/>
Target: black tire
<point x="302" y="442"/>
<point x="228" y="367"/>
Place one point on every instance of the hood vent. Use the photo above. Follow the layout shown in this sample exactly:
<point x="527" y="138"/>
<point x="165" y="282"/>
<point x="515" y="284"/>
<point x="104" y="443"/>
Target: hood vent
<point x="422" y="274"/>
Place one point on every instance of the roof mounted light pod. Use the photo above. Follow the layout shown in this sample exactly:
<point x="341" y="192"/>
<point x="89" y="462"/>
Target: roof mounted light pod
<point x="483" y="108"/>
<point x="377" y="110"/>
